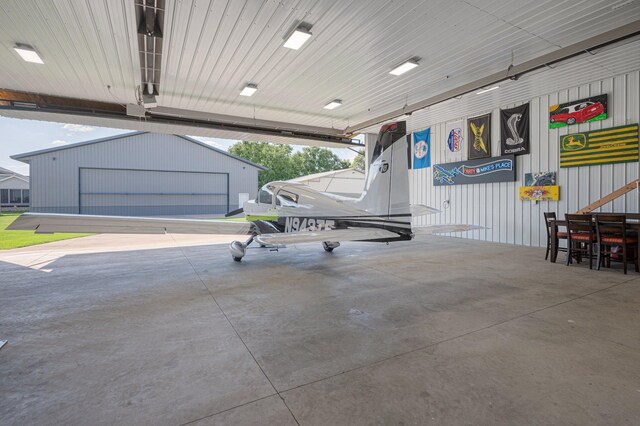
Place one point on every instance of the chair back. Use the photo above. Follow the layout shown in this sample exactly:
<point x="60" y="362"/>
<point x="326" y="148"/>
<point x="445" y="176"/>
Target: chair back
<point x="579" y="224"/>
<point x="611" y="225"/>
<point x="547" y="217"/>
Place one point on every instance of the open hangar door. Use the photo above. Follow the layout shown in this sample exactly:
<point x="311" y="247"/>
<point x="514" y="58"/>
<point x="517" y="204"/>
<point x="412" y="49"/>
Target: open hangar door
<point x="127" y="192"/>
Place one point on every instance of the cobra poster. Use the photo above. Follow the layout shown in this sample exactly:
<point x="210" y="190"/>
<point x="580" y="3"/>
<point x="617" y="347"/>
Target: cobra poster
<point x="422" y="149"/>
<point x="498" y="169"/>
<point x="454" y="141"/>
<point x="576" y="112"/>
<point x="606" y="146"/>
<point x="479" y="137"/>
<point x="514" y="130"/>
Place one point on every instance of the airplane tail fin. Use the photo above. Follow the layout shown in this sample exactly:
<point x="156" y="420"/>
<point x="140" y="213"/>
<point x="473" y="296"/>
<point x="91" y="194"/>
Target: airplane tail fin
<point x="386" y="191"/>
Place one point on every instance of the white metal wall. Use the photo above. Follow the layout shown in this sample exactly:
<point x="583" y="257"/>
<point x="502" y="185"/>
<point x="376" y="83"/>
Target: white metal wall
<point x="497" y="206"/>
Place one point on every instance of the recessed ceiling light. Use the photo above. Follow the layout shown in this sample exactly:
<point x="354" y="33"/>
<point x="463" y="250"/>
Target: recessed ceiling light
<point x="297" y="38"/>
<point x="401" y="69"/>
<point x="28" y="53"/>
<point x="480" y="92"/>
<point x="249" y="90"/>
<point x="333" y="104"/>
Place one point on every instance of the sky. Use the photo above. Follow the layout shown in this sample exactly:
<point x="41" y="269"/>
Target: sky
<point x="19" y="136"/>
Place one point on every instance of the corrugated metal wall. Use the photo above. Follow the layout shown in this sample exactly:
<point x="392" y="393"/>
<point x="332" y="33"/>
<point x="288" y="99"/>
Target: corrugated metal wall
<point x="497" y="206"/>
<point x="125" y="192"/>
<point x="55" y="176"/>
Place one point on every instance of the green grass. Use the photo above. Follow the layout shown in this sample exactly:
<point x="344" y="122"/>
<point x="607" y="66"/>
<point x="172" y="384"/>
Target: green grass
<point x="15" y="239"/>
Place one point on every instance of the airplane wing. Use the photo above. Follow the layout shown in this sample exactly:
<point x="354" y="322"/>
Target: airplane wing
<point x="48" y="223"/>
<point x="445" y="229"/>
<point x="348" y="234"/>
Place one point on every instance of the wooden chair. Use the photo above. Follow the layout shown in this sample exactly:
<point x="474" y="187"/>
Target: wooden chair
<point x="611" y="230"/>
<point x="548" y="217"/>
<point x="580" y="237"/>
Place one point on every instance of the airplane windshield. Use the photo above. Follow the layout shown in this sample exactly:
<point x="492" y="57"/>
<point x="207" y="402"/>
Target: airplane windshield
<point x="265" y="196"/>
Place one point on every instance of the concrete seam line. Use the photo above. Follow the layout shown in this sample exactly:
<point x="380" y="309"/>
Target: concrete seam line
<point x="451" y="338"/>
<point x="233" y="328"/>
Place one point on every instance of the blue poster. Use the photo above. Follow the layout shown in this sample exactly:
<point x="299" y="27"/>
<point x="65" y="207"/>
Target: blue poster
<point x="422" y="149"/>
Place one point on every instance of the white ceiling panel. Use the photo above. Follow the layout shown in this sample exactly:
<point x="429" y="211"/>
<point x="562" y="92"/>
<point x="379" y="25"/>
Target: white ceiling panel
<point x="605" y="63"/>
<point x="212" y="48"/>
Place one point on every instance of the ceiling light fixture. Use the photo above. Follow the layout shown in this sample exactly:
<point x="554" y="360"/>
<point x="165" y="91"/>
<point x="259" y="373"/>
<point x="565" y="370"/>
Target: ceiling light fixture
<point x="407" y="66"/>
<point x="333" y="104"/>
<point x="480" y="92"/>
<point x="249" y="90"/>
<point x="298" y="37"/>
<point x="28" y="53"/>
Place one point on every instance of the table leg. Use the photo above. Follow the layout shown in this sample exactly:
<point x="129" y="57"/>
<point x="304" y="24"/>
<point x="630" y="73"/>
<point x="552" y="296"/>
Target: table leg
<point x="554" y="244"/>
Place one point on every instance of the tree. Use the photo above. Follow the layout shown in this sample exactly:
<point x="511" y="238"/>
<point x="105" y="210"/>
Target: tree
<point x="358" y="161"/>
<point x="276" y="157"/>
<point x="316" y="160"/>
<point x="282" y="164"/>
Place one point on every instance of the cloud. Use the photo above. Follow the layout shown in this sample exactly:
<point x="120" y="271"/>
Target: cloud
<point x="78" y="128"/>
<point x="59" y="142"/>
<point x="215" y="142"/>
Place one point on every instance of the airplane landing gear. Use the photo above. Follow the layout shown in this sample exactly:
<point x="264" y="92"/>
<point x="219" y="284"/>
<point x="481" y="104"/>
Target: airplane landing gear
<point x="328" y="246"/>
<point x="239" y="249"/>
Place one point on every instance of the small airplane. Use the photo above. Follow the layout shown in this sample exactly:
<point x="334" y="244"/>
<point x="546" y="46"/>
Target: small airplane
<point x="289" y="213"/>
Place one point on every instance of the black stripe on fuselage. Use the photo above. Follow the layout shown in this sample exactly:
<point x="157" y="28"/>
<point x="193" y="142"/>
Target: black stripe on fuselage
<point x="363" y="218"/>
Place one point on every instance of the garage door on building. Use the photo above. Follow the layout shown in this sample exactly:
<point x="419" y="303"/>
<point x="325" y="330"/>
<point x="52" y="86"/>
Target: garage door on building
<point x="127" y="192"/>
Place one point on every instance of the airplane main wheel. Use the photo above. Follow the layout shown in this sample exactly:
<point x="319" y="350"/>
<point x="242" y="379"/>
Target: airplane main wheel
<point x="237" y="259"/>
<point x="328" y="246"/>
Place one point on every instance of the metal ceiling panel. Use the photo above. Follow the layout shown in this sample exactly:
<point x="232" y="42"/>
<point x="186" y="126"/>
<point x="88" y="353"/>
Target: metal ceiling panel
<point x="605" y="63"/>
<point x="212" y="48"/>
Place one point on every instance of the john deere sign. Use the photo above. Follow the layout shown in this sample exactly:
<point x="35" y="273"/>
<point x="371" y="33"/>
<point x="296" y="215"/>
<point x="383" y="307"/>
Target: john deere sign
<point x="607" y="146"/>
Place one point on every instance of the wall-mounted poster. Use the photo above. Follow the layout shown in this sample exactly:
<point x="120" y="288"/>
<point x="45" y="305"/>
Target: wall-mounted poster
<point x="540" y="193"/>
<point x="422" y="149"/>
<point x="499" y="169"/>
<point x="606" y="146"/>
<point x="540" y="179"/>
<point x="582" y="111"/>
<point x="514" y="130"/>
<point x="454" y="140"/>
<point x="480" y="137"/>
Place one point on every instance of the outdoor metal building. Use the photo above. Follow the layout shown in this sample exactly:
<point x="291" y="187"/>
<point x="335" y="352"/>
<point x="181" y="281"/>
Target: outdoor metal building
<point x="139" y="174"/>
<point x="14" y="190"/>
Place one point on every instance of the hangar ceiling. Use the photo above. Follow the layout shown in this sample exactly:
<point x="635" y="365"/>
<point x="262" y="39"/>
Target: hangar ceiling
<point x="211" y="49"/>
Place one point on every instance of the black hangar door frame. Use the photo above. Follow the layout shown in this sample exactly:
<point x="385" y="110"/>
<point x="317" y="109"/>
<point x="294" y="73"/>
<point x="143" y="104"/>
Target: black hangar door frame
<point x="149" y="192"/>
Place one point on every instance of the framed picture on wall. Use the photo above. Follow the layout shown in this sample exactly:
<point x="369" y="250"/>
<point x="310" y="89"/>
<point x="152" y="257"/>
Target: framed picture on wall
<point x="575" y="112"/>
<point x="479" y="137"/>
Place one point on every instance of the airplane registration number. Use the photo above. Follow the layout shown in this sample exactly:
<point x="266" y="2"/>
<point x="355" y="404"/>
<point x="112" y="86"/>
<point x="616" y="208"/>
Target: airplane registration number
<point x="296" y="224"/>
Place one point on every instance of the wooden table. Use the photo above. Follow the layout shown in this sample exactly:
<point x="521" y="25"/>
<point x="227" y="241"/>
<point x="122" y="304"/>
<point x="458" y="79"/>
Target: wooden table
<point x="633" y="224"/>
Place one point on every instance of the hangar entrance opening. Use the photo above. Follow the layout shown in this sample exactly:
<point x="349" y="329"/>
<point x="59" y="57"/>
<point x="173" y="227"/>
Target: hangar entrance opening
<point x="125" y="192"/>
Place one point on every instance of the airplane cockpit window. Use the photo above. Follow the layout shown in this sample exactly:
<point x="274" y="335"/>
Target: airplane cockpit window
<point x="286" y="198"/>
<point x="265" y="196"/>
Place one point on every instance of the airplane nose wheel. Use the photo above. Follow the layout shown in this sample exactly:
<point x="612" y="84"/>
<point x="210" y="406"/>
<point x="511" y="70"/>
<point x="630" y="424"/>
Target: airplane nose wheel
<point x="239" y="249"/>
<point x="328" y="246"/>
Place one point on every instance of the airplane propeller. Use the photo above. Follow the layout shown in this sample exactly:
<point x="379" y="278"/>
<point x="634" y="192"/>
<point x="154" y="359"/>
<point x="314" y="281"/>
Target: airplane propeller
<point x="234" y="212"/>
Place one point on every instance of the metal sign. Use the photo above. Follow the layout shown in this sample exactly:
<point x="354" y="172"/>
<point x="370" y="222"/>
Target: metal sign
<point x="487" y="170"/>
<point x="605" y="146"/>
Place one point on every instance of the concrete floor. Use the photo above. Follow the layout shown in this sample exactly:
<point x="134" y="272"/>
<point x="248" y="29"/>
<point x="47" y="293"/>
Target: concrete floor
<point x="167" y="330"/>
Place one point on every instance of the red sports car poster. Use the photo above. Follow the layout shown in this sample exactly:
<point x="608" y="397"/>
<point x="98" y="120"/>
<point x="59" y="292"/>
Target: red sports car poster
<point x="582" y="111"/>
